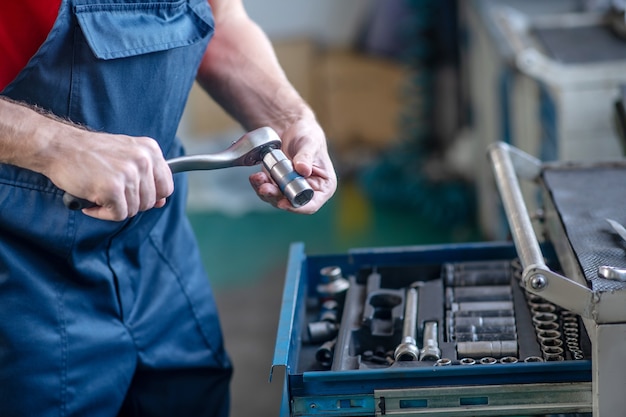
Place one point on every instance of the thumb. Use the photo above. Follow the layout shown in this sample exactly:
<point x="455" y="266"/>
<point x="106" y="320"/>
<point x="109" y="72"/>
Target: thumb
<point x="303" y="163"/>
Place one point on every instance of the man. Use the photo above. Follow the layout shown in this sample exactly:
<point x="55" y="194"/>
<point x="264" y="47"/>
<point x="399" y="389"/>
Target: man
<point x="108" y="311"/>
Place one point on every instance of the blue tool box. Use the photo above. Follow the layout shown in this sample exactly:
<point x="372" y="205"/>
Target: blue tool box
<point x="495" y="350"/>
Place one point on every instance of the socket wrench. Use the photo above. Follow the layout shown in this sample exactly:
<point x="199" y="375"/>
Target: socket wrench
<point x="258" y="146"/>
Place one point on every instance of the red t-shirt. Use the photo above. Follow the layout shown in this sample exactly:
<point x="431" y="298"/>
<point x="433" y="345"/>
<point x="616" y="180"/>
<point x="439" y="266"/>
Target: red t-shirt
<point x="24" y="26"/>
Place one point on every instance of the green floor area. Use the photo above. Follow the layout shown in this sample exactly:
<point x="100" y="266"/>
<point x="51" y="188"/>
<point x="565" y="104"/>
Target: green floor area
<point x="239" y="249"/>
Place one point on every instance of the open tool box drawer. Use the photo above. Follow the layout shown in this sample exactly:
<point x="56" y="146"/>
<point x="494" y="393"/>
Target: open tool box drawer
<point x="487" y="346"/>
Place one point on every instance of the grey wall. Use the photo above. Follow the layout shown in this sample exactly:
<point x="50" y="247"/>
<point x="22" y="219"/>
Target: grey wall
<point x="330" y="22"/>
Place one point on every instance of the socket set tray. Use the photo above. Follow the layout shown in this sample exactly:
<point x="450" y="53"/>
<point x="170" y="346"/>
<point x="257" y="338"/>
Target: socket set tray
<point x="441" y="330"/>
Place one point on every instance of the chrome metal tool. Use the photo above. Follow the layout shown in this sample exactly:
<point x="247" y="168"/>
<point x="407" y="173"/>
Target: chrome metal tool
<point x="613" y="272"/>
<point x="258" y="146"/>
<point x="407" y="350"/>
<point x="430" y="345"/>
<point x="619" y="229"/>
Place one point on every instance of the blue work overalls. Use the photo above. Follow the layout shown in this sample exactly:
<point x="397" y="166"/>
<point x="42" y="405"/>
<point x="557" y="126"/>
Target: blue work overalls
<point x="103" y="318"/>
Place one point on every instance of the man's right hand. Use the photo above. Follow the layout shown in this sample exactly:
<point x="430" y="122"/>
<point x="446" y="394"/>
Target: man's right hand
<point x="121" y="174"/>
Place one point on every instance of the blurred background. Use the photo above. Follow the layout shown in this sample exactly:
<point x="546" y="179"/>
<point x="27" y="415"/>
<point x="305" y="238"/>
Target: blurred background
<point x="410" y="93"/>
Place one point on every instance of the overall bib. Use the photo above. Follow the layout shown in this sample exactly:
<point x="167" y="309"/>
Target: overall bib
<point x="103" y="318"/>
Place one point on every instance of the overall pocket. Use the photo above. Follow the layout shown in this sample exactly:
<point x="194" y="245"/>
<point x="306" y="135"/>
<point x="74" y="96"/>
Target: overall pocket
<point x="118" y="30"/>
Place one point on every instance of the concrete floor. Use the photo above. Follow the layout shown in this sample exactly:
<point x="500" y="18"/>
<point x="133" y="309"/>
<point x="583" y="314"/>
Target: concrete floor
<point x="246" y="256"/>
<point x="249" y="318"/>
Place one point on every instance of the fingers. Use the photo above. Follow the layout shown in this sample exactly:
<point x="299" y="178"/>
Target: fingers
<point x="266" y="189"/>
<point x="304" y="143"/>
<point x="121" y="209"/>
<point x="139" y="182"/>
<point x="323" y="185"/>
<point x="133" y="201"/>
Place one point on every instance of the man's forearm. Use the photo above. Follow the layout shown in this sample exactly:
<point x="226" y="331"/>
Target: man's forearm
<point x="121" y="174"/>
<point x="241" y="72"/>
<point x="26" y="135"/>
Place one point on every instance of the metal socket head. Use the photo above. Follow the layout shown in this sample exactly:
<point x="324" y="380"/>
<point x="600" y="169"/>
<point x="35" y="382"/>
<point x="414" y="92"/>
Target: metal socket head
<point x="330" y="273"/>
<point x="430" y="353"/>
<point x="324" y="354"/>
<point x="321" y="331"/>
<point x="332" y="283"/>
<point x="612" y="273"/>
<point x="291" y="184"/>
<point x="406" y="351"/>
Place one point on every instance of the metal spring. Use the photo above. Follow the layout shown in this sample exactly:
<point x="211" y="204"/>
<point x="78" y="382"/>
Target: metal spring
<point x="550" y="343"/>
<point x="541" y="307"/>
<point x="571" y="330"/>
<point x="552" y="353"/>
<point x="544" y="318"/>
<point x="533" y="298"/>
<point x="548" y="334"/>
<point x="554" y="358"/>
<point x="548" y="325"/>
<point x="570" y="325"/>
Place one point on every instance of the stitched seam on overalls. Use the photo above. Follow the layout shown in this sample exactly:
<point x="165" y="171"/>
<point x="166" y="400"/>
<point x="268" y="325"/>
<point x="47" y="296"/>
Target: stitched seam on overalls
<point x="30" y="186"/>
<point x="74" y="93"/>
<point x="71" y="234"/>
<point x="116" y="278"/>
<point x="113" y="7"/>
<point x="64" y="350"/>
<point x="184" y="291"/>
<point x="151" y="47"/>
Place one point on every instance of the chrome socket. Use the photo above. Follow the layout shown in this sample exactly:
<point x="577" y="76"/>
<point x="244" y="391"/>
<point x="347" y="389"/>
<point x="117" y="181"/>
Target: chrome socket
<point x="430" y="345"/>
<point x="291" y="184"/>
<point x="407" y="350"/>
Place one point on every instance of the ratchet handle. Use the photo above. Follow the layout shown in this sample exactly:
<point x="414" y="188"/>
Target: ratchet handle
<point x="259" y="145"/>
<point x="295" y="187"/>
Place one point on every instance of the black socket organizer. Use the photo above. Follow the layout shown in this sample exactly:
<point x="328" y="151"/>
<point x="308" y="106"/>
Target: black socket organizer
<point x="482" y="316"/>
<point x="481" y="343"/>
